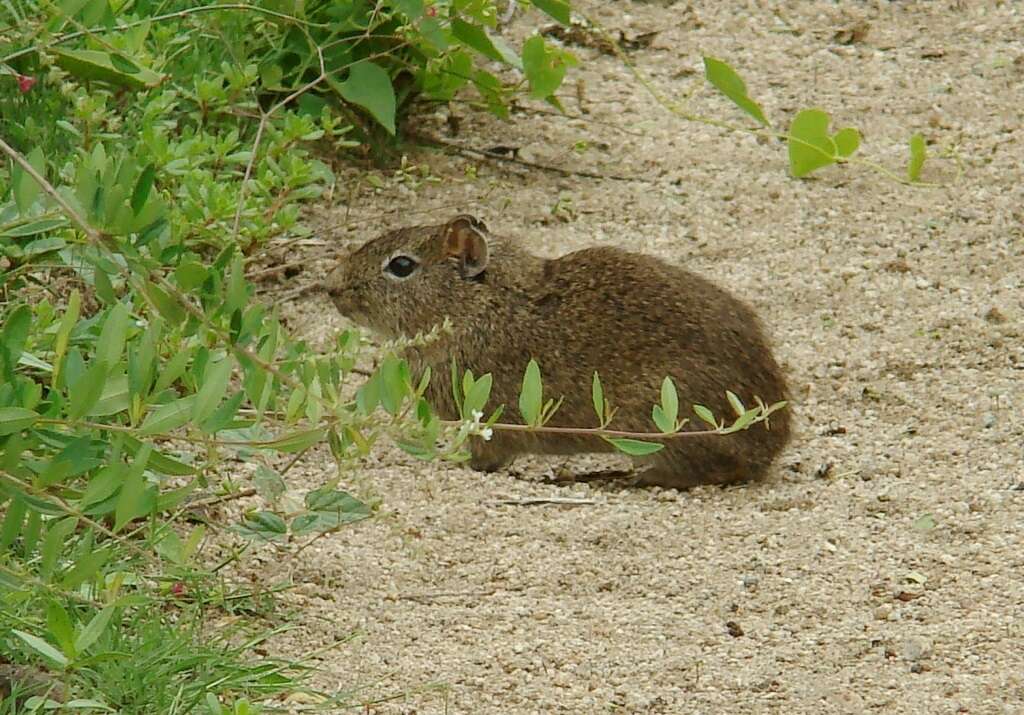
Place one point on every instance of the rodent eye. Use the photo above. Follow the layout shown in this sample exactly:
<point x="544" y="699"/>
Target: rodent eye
<point x="401" y="266"/>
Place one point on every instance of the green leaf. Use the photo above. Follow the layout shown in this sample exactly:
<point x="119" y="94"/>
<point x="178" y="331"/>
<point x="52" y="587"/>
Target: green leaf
<point x="328" y="509"/>
<point x="14" y="337"/>
<point x="112" y="336"/>
<point x="661" y="420"/>
<point x="475" y="37"/>
<point x="12" y="522"/>
<point x="558" y="9"/>
<point x="264" y="525"/>
<point x="634" y="447"/>
<point x="224" y="415"/>
<point x="58" y="623"/>
<point x="597" y="395"/>
<point x="102" y="486"/>
<point x="114" y="398"/>
<point x="917" y="157"/>
<point x="142" y="188"/>
<point x="215" y="385"/>
<point x="728" y="82"/>
<point x="369" y="86"/>
<point x="412" y="9"/>
<point x="295" y="441"/>
<point x="190" y="274"/>
<point x="237" y="294"/>
<point x="735" y="403"/>
<point x="705" y="414"/>
<point x="174" y="369"/>
<point x="132" y="502"/>
<point x="531" y="395"/>
<point x="669" y="402"/>
<point x="53" y="544"/>
<point x="67" y="324"/>
<point x="42" y="647"/>
<point x="92" y="65"/>
<point x="268" y="483"/>
<point x="169" y="417"/>
<point x="743" y="420"/>
<point x="167" y="307"/>
<point x="86" y="392"/>
<point x="925" y="522"/>
<point x="478" y="395"/>
<point x="16" y="419"/>
<point x="24" y="187"/>
<point x="104" y="288"/>
<point x="544" y="67"/>
<point x="94" y="629"/>
<point x="847" y="141"/>
<point x="810" y="146"/>
<point x="33" y="228"/>
<point x="393" y="384"/>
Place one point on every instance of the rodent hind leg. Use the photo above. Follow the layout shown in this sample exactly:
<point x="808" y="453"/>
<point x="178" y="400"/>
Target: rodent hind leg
<point x="489" y="457"/>
<point x="684" y="469"/>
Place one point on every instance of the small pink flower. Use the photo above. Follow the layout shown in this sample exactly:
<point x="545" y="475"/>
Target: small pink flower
<point x="26" y="83"/>
<point x="431" y="11"/>
<point x="178" y="589"/>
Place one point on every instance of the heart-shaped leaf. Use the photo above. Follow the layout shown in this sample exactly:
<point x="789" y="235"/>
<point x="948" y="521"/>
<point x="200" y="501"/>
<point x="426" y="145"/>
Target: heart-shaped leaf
<point x="810" y="146"/>
<point x="847" y="141"/>
<point x="369" y="86"/>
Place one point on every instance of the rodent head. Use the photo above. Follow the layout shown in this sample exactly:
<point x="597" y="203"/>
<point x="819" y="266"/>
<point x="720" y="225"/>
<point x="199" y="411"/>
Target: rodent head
<point x="408" y="280"/>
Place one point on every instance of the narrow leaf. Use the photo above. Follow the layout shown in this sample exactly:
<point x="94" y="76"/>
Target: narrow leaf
<point x="669" y="402"/>
<point x="531" y="395"/>
<point x="94" y="629"/>
<point x="597" y="395"/>
<point x="42" y="647"/>
<point x="634" y="447"/>
<point x="735" y="403"/>
<point x="728" y="82"/>
<point x="214" y="387"/>
<point x="478" y="395"/>
<point x="15" y="419"/>
<point x="169" y="417"/>
<point x="142" y="188"/>
<point x="24" y="187"/>
<point x="112" y="336"/>
<point x="918" y="155"/>
<point x="705" y="414"/>
<point x="662" y="421"/>
<point x="296" y="441"/>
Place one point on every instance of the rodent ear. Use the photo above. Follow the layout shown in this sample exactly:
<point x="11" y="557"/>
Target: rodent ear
<point x="465" y="240"/>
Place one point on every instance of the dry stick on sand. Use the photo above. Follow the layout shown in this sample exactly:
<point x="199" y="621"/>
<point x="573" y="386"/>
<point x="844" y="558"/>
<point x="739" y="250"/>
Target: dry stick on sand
<point x="459" y="149"/>
<point x="535" y="501"/>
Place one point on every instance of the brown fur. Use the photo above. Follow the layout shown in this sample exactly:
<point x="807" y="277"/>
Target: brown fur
<point x="632" y="318"/>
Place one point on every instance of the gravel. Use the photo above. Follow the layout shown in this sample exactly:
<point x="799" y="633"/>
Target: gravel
<point x="880" y="567"/>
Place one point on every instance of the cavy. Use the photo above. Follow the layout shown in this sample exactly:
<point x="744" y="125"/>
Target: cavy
<point x="632" y="318"/>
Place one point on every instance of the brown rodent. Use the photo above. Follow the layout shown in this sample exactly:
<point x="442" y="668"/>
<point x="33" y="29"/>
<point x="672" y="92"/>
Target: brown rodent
<point x="632" y="318"/>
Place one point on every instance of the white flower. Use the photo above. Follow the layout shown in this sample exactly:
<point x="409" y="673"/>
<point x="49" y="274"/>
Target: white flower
<point x="487" y="433"/>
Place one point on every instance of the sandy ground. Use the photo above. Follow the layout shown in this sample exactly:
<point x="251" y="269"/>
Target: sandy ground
<point x="881" y="567"/>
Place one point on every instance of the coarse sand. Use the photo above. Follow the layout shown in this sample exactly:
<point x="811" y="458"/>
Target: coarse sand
<point x="880" y="568"/>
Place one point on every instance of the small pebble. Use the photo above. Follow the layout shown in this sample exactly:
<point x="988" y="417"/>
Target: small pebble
<point x="915" y="649"/>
